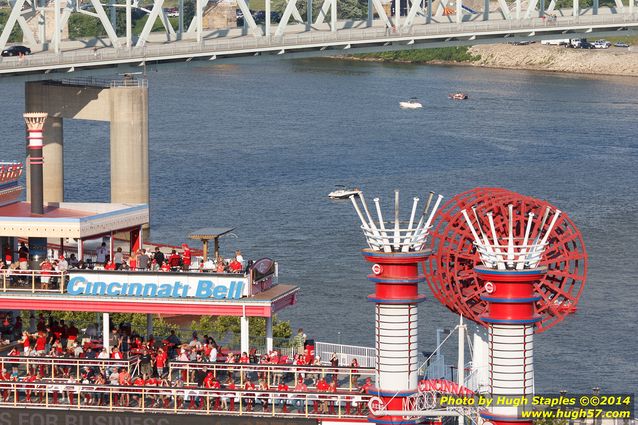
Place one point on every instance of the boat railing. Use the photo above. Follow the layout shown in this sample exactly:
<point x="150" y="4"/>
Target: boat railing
<point x="353" y="375"/>
<point x="56" y="367"/>
<point x="57" y="394"/>
<point x="41" y="281"/>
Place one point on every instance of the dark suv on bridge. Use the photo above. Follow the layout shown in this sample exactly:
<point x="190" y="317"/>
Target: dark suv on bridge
<point x="16" y="51"/>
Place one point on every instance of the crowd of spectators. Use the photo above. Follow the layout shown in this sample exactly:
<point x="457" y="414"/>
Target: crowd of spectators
<point x="51" y="269"/>
<point x="149" y="361"/>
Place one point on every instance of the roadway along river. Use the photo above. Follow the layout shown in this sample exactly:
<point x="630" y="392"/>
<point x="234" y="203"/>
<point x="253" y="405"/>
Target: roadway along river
<point x="259" y="146"/>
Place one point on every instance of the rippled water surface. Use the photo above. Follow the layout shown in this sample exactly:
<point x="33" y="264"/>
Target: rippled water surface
<point x="259" y="145"/>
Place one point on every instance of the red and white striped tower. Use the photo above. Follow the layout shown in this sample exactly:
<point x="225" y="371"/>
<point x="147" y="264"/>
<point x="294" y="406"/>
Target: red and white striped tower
<point x="35" y="124"/>
<point x="510" y="270"/>
<point x="514" y="264"/>
<point x="395" y="249"/>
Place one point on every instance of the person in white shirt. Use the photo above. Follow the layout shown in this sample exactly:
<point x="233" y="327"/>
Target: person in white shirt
<point x="239" y="257"/>
<point x="63" y="265"/>
<point x="213" y="354"/>
<point x="102" y="252"/>
<point x="103" y="354"/>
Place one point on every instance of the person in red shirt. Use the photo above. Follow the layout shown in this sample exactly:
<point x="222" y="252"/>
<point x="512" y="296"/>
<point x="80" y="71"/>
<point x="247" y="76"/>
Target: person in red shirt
<point x="186" y="257"/>
<point x="249" y="398"/>
<point x="165" y="267"/>
<point x="160" y="361"/>
<point x="110" y="265"/>
<point x="40" y="343"/>
<point x="322" y="386"/>
<point x="235" y="266"/>
<point x="174" y="261"/>
<point x="230" y="385"/>
<point x="302" y="388"/>
<point x="45" y="267"/>
<point x="282" y="387"/>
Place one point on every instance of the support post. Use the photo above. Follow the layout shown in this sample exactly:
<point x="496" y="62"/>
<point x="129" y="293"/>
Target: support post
<point x="397" y="13"/>
<point x="111" y="246"/>
<point x="180" y="27"/>
<point x="81" y="250"/>
<point x="576" y="8"/>
<point x="149" y="325"/>
<point x="459" y="11"/>
<point x="244" y="329"/>
<point x="106" y="332"/>
<point x="486" y="10"/>
<point x="129" y="31"/>
<point x="269" y="339"/>
<point x="518" y="9"/>
<point x="370" y="13"/>
<point x="198" y="16"/>
<point x="205" y="249"/>
<point x="429" y="16"/>
<point x="596" y="5"/>
<point x="461" y="362"/>
<point x="333" y="16"/>
<point x="56" y="26"/>
<point x="267" y="24"/>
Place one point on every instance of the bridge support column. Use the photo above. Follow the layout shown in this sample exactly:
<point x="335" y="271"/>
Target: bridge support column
<point x="518" y="10"/>
<point x="129" y="23"/>
<point x="459" y="11"/>
<point x="269" y="339"/>
<point x="576" y="8"/>
<point x="429" y="17"/>
<point x="244" y="333"/>
<point x="106" y="332"/>
<point x="486" y="10"/>
<point x="595" y="7"/>
<point x="370" y="13"/>
<point x="53" y="154"/>
<point x="129" y="145"/>
<point x="397" y="13"/>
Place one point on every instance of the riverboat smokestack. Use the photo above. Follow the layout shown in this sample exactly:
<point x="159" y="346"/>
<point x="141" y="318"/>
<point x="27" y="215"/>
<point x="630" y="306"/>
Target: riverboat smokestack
<point x="35" y="124"/>
<point x="396" y="248"/>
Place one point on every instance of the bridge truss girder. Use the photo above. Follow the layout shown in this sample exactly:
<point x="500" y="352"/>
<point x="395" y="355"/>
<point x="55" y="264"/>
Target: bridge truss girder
<point x="21" y="10"/>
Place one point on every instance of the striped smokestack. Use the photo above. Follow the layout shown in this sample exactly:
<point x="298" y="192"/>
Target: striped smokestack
<point x="35" y="124"/>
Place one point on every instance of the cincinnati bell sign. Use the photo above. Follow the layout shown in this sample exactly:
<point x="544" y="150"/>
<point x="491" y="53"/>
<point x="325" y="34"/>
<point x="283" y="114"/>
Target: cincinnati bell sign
<point x="156" y="285"/>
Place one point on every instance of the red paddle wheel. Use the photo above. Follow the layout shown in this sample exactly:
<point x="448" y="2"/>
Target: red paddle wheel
<point x="450" y="271"/>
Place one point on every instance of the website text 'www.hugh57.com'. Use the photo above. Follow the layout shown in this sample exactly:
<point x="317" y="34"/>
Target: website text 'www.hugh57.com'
<point x="576" y="414"/>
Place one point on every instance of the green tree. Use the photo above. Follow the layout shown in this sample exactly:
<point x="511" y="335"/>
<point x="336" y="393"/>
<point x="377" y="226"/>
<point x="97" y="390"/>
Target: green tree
<point x="16" y="32"/>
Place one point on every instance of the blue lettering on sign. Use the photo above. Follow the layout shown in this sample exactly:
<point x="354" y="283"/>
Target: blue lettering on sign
<point x="78" y="285"/>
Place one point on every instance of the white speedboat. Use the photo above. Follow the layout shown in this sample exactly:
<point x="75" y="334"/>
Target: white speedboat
<point x="413" y="103"/>
<point x="343" y="193"/>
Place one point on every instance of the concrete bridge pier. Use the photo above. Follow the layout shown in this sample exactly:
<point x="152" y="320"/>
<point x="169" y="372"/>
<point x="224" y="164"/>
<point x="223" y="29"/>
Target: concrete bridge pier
<point x="129" y="145"/>
<point x="124" y="104"/>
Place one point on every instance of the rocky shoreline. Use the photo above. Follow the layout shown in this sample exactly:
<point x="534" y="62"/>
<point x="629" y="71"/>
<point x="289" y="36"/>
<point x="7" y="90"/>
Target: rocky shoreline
<point x="537" y="57"/>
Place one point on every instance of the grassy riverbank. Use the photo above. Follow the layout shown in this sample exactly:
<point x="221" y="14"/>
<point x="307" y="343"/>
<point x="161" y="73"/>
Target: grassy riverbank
<point x="438" y="55"/>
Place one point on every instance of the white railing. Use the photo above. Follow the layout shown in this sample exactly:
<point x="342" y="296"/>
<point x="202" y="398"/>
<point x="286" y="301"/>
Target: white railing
<point x="366" y="356"/>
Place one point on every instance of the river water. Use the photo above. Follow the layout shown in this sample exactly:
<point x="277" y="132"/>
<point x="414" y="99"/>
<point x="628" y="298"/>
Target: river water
<point x="259" y="145"/>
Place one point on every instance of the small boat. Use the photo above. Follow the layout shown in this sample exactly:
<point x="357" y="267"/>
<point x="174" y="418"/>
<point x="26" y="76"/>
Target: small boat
<point x="413" y="103"/>
<point x="343" y="193"/>
<point x="458" y="96"/>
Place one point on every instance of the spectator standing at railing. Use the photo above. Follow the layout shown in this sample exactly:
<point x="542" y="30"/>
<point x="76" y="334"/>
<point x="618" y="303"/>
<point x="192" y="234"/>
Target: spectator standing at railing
<point x="46" y="268"/>
<point x="186" y="257"/>
<point x="63" y="265"/>
<point x="118" y="258"/>
<point x="23" y="256"/>
<point x="158" y="256"/>
<point x="160" y="361"/>
<point x="101" y="253"/>
<point x="141" y="260"/>
<point x="299" y="342"/>
<point x="174" y="261"/>
<point x="26" y="343"/>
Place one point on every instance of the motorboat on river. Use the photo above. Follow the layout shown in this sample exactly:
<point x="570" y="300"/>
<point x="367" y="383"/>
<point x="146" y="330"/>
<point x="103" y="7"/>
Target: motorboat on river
<point x="413" y="103"/>
<point x="458" y="96"/>
<point x="343" y="192"/>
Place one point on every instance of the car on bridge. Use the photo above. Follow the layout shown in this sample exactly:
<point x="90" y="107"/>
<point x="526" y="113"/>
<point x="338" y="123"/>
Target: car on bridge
<point x="16" y="51"/>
